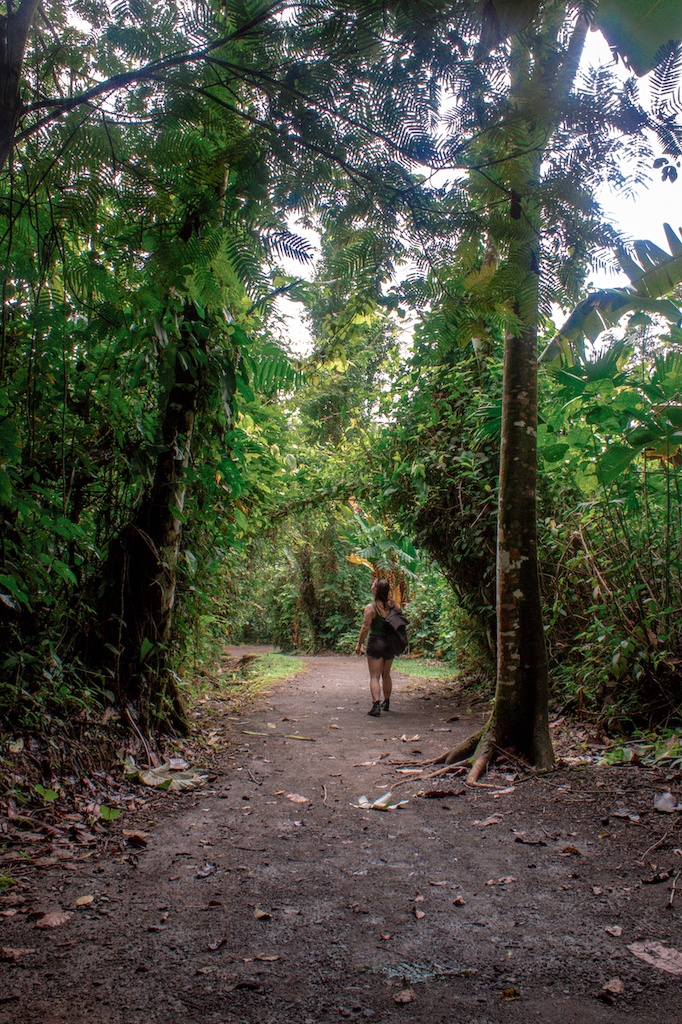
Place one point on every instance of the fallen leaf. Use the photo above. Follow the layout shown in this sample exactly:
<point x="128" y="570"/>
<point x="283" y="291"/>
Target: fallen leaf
<point x="615" y="930"/>
<point x="656" y="878"/>
<point x="13" y="899"/>
<point x="665" y="803"/>
<point x="386" y="936"/>
<point x="291" y="911"/>
<point x="54" y="920"/>
<point x="494" y="819"/>
<point x="571" y="851"/>
<point x="164" y="777"/>
<point x="382" y="803"/>
<point x="521" y="837"/>
<point x="458" y="902"/>
<point x="410" y="739"/>
<point x="437" y="794"/>
<point x="334" y="726"/>
<point x="296" y="798"/>
<point x="209" y="868"/>
<point x="135" y="838"/>
<point x="597" y="890"/>
<point x="267" y="959"/>
<point x="614" y="987"/>
<point x="13" y="955"/>
<point x="85" y="901"/>
<point x="510" y="993"/>
<point x="436" y="883"/>
<point x="625" y="812"/>
<point x="261" y="915"/>
<point x="217" y="945"/>
<point x="406" y="995"/>
<point x="419" y="899"/>
<point x="658" y="955"/>
<point x="419" y="914"/>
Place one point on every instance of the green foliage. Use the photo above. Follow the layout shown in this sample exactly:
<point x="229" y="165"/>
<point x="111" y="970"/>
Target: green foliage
<point x="612" y="546"/>
<point x="155" y="490"/>
<point x="109" y="813"/>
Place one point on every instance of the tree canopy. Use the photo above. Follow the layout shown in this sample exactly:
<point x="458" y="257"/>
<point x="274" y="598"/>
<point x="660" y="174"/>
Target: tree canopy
<point x="155" y="429"/>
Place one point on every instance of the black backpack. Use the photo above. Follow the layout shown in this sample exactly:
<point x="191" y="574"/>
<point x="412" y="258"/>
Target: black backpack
<point x="398" y="623"/>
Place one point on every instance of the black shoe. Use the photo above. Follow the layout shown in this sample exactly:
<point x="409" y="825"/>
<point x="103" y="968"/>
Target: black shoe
<point x="385" y="706"/>
<point x="376" y="710"/>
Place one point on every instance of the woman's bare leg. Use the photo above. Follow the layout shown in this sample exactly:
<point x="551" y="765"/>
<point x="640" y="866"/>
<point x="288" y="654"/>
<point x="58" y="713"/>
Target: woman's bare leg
<point x="375" y="674"/>
<point x="386" y="681"/>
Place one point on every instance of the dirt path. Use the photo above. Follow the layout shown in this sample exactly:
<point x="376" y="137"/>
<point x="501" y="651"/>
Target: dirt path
<point x="486" y="906"/>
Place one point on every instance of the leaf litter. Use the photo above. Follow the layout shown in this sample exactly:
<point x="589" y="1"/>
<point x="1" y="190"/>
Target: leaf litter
<point x="659" y="955"/>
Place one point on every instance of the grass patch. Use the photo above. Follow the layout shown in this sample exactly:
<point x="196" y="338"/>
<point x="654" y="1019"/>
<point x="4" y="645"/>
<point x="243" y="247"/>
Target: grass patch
<point x="426" y="668"/>
<point x="271" y="668"/>
<point x="251" y="675"/>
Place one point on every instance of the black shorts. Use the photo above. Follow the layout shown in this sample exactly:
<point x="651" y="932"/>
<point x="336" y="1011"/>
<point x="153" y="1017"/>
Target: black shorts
<point x="380" y="647"/>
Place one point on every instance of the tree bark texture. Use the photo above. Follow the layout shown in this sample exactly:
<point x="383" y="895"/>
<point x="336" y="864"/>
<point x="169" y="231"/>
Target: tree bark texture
<point x="14" y="30"/>
<point x="520" y="716"/>
<point x="541" y="79"/>
<point x="139" y="579"/>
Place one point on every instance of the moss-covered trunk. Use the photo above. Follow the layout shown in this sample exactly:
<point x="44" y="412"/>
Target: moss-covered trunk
<point x="139" y="580"/>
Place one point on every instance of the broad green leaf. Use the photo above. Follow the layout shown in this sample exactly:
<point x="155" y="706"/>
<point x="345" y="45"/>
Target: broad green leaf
<point x="616" y="459"/>
<point x="5" y="487"/>
<point x="10" y="445"/>
<point x="109" y="813"/>
<point x="48" y="795"/>
<point x="637" y="29"/>
<point x="145" y="649"/>
<point x="555" y="452"/>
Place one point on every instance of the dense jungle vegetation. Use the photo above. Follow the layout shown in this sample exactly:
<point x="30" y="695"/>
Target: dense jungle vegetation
<point x="418" y="181"/>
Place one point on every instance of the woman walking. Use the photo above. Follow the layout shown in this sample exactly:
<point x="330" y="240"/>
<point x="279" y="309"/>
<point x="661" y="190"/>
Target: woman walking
<point x="380" y="646"/>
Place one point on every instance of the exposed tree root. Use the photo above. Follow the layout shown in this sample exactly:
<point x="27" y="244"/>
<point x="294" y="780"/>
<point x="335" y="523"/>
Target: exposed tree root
<point x="449" y="769"/>
<point x="462" y="751"/>
<point x="477" y="752"/>
<point x="478" y="768"/>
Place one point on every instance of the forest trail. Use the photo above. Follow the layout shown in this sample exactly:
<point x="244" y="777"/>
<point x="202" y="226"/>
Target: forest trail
<point x="479" y="906"/>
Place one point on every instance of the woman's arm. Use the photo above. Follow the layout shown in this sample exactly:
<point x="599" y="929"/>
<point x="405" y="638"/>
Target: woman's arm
<point x="366" y="623"/>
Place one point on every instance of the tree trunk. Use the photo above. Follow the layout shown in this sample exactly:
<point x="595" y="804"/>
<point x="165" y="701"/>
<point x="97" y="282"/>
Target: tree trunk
<point x="138" y="591"/>
<point x="520" y="720"/>
<point x="541" y="77"/>
<point x="14" y="29"/>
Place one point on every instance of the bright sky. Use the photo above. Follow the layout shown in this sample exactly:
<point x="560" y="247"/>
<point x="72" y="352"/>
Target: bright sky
<point x="643" y="215"/>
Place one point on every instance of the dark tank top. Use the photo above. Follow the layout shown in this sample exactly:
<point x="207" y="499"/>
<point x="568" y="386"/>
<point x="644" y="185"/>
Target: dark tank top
<point x="378" y="627"/>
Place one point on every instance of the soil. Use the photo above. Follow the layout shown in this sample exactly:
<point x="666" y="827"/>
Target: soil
<point x="239" y="904"/>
